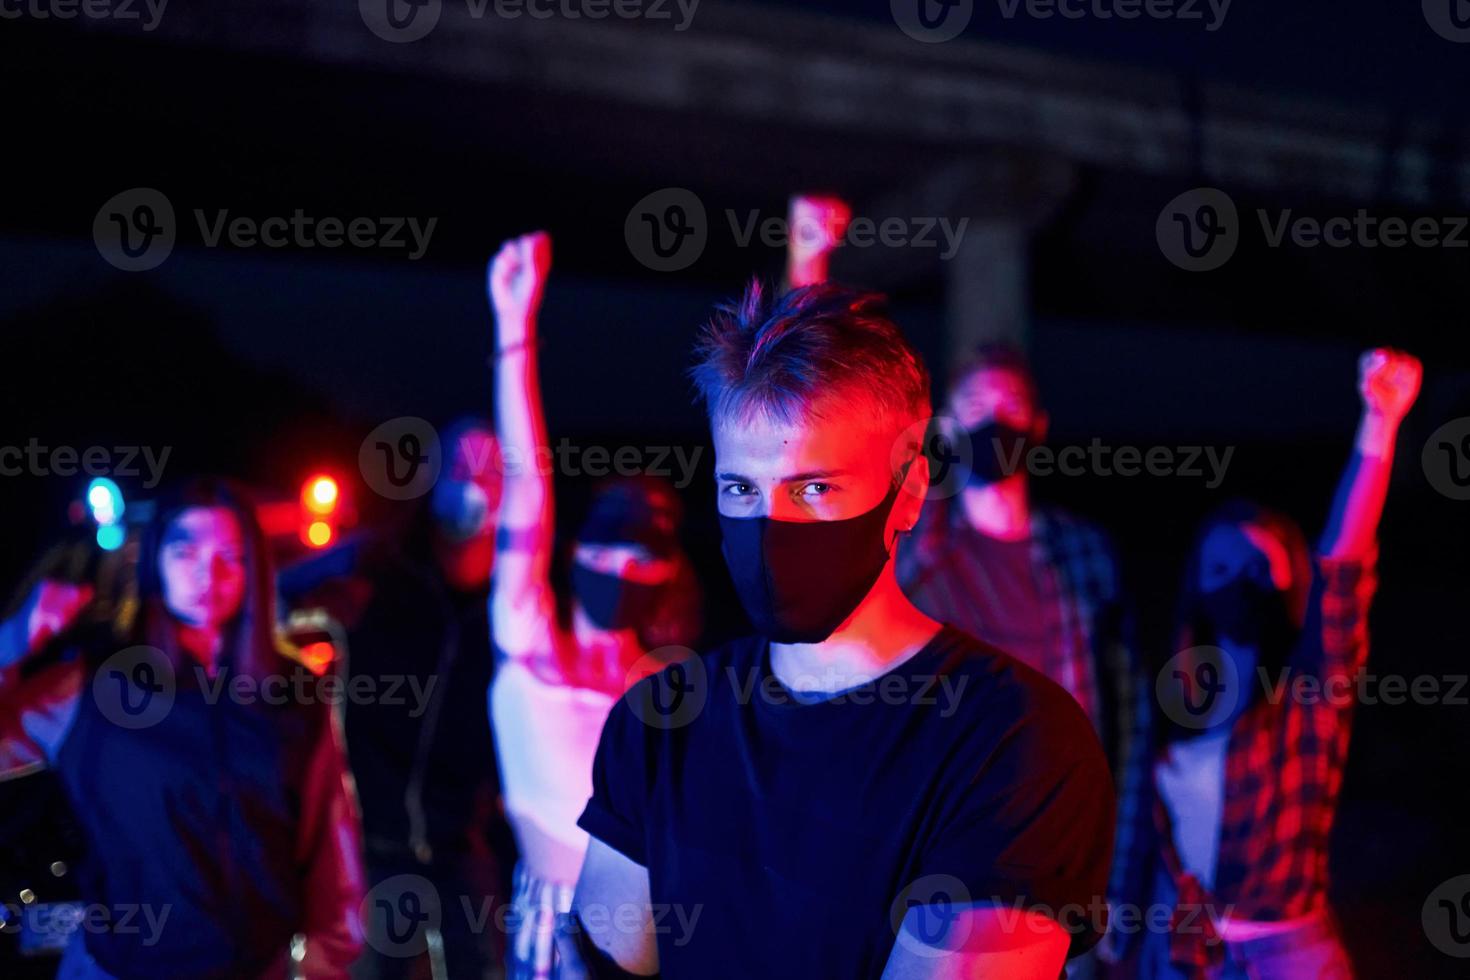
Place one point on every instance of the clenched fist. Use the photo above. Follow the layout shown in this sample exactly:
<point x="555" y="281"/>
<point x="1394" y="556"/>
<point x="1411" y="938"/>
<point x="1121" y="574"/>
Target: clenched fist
<point x="1388" y="380"/>
<point x="516" y="281"/>
<point x="816" y="225"/>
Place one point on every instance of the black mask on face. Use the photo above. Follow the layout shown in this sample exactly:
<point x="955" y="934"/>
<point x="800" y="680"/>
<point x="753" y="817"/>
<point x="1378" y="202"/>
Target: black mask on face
<point x="611" y="601"/>
<point x="1252" y="614"/>
<point x="798" y="580"/>
<point x="997" y="451"/>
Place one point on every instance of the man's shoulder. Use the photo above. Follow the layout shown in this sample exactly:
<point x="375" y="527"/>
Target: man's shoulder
<point x="1006" y="690"/>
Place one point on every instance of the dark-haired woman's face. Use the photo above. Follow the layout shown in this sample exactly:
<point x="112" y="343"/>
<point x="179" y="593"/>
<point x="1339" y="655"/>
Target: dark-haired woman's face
<point x="202" y="566"/>
<point x="1244" y="551"/>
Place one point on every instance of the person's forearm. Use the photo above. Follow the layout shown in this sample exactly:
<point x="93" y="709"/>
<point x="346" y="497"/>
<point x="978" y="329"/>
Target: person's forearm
<point x="1352" y="526"/>
<point x="526" y="500"/>
<point x="806" y="272"/>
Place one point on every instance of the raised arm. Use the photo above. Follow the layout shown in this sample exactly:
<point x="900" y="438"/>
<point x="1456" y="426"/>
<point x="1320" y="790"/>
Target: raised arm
<point x="36" y="712"/>
<point x="815" y="226"/>
<point x="522" y="605"/>
<point x="1388" y="381"/>
<point x="51" y="607"/>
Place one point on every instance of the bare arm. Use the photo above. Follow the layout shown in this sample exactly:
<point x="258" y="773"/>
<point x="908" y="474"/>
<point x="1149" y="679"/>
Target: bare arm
<point x="1388" y="381"/>
<point x="521" y="604"/>
<point x="614" y="903"/>
<point x="977" y="942"/>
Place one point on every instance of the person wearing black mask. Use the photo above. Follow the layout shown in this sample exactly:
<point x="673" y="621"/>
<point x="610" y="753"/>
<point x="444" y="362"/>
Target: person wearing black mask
<point x="1258" y="703"/>
<point x="562" y="661"/>
<point x="857" y="790"/>
<point x="1040" y="583"/>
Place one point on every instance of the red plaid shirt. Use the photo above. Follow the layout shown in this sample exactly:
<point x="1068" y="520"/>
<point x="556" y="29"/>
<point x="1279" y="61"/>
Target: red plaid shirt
<point x="1283" y="771"/>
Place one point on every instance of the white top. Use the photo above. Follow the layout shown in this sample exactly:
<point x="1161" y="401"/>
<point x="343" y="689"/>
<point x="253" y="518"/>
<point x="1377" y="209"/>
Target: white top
<point x="1191" y="781"/>
<point x="546" y="736"/>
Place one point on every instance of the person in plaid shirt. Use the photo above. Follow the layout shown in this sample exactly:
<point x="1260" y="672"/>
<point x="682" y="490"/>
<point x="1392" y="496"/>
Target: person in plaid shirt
<point x="1039" y="583"/>
<point x="1259" y="704"/>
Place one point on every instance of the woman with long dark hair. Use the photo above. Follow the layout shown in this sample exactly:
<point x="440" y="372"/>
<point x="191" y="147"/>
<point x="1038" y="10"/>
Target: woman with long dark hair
<point x="208" y="777"/>
<point x="564" y="660"/>
<point x="1258" y="709"/>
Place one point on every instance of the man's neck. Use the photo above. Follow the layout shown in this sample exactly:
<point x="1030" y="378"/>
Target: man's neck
<point x="884" y="631"/>
<point x="1000" y="510"/>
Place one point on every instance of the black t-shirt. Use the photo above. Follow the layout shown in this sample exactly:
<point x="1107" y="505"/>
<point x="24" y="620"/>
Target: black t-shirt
<point x="785" y="836"/>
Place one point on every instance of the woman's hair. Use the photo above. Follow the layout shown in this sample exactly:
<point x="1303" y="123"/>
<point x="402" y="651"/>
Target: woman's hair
<point x="249" y="645"/>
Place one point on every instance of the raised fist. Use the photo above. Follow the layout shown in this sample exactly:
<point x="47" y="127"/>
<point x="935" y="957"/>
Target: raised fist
<point x="1388" y="380"/>
<point x="56" y="605"/>
<point x="515" y="281"/>
<point x="816" y="226"/>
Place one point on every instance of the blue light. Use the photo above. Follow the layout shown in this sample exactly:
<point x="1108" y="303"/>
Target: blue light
<point x="110" y="537"/>
<point x="106" y="502"/>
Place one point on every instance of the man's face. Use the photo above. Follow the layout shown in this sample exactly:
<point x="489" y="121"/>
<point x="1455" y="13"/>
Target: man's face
<point x="821" y="469"/>
<point x="995" y="395"/>
<point x="202" y="566"/>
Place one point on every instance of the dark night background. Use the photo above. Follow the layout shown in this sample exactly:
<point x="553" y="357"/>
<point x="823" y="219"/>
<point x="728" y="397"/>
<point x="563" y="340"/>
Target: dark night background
<point x="270" y="363"/>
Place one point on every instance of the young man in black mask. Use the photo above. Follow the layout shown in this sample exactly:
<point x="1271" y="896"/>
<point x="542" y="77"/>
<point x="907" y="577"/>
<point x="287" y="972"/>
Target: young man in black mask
<point x="859" y="790"/>
<point x="1039" y="583"/>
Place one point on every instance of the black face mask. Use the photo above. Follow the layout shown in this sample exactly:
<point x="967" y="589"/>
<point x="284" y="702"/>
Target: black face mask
<point x="1250" y="614"/>
<point x="798" y="580"/>
<point x="997" y="451"/>
<point x="611" y="601"/>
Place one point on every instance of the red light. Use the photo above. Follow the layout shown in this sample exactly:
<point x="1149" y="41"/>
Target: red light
<point x="320" y="495"/>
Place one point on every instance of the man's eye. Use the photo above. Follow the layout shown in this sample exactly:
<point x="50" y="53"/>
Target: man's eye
<point x="739" y="489"/>
<point x="817" y="489"/>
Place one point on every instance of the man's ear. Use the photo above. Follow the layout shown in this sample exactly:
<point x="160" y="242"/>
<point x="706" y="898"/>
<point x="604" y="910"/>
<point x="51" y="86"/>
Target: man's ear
<point x="913" y="492"/>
